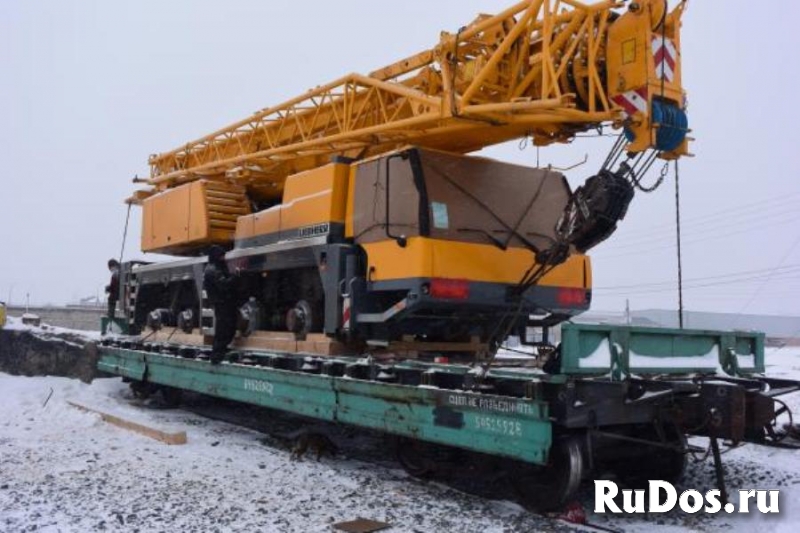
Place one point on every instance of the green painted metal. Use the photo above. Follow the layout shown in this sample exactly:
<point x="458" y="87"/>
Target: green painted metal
<point x="517" y="428"/>
<point x="129" y="365"/>
<point x="622" y="351"/>
<point x="507" y="427"/>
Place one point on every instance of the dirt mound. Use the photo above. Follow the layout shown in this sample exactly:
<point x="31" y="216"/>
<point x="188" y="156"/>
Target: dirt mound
<point x="37" y="352"/>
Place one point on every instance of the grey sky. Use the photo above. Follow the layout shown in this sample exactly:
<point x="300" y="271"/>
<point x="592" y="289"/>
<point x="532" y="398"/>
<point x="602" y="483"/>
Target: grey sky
<point x="89" y="88"/>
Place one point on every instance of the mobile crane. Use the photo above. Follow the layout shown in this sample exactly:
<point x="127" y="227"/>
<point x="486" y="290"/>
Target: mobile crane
<point x="352" y="212"/>
<point x="369" y="244"/>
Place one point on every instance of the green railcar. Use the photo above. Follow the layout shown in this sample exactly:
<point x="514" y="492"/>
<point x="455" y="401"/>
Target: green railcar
<point x="612" y="397"/>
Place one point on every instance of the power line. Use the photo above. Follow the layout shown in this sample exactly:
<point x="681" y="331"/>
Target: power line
<point x="713" y="228"/>
<point x="639" y="249"/>
<point x="721" y="226"/>
<point x="787" y="276"/>
<point x="791" y="199"/>
<point x="747" y="273"/>
<point x="692" y="287"/>
<point x="728" y="214"/>
<point x="772" y="274"/>
<point x="787" y="202"/>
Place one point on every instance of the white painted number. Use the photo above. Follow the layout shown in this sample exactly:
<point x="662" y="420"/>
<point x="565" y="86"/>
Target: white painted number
<point x="499" y="426"/>
<point x="255" y="385"/>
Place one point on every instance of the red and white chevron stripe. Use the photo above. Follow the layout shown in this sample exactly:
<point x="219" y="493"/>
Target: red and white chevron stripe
<point x="666" y="56"/>
<point x="346" y="314"/>
<point x="632" y="102"/>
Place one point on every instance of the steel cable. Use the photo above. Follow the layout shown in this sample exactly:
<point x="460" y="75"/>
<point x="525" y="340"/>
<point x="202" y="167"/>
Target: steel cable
<point x="679" y="242"/>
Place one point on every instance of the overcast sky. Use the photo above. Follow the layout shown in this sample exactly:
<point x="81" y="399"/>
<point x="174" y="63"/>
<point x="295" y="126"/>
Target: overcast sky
<point x="88" y="89"/>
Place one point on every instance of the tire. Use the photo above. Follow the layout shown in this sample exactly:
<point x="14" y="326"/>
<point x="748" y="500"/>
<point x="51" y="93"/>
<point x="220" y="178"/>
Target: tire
<point x="551" y="487"/>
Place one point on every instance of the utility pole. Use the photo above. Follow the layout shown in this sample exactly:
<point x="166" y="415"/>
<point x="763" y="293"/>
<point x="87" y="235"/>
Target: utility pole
<point x="628" y="312"/>
<point x="27" y="303"/>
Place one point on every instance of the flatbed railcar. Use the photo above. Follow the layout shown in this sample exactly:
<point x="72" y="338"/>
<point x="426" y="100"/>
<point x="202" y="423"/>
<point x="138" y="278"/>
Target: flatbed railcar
<point x="611" y="396"/>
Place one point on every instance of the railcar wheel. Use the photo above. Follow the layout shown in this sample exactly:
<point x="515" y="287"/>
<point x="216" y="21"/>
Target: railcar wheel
<point x="773" y="436"/>
<point x="416" y="458"/>
<point x="654" y="462"/>
<point x="172" y="397"/>
<point x="550" y="487"/>
<point x="141" y="390"/>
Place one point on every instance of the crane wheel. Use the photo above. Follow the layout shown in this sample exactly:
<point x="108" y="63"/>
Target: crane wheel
<point x="300" y="318"/>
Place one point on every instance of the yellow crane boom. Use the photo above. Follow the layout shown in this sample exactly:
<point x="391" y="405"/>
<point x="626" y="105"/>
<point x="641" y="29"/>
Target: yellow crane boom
<point x="547" y="69"/>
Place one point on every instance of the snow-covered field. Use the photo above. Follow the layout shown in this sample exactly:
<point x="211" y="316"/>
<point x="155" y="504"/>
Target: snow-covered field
<point x="48" y="332"/>
<point x="66" y="470"/>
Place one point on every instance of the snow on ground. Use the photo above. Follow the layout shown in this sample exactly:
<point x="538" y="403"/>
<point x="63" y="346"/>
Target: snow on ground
<point x="48" y="332"/>
<point x="63" y="470"/>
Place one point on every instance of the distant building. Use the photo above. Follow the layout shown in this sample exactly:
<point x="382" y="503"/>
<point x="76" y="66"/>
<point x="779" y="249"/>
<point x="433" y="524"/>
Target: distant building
<point x="88" y="302"/>
<point x="616" y="319"/>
